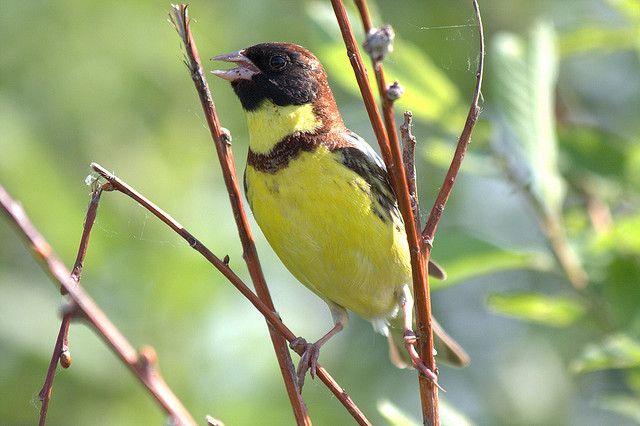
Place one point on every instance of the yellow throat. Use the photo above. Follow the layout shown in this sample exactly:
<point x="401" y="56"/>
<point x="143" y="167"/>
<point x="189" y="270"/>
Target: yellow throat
<point x="270" y="123"/>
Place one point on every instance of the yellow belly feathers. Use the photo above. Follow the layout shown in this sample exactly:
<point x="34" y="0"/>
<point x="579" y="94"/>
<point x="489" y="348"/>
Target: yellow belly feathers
<point x="317" y="216"/>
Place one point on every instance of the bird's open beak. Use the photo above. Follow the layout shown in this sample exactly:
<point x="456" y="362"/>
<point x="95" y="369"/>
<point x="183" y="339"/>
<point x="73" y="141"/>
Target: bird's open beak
<point x="246" y="69"/>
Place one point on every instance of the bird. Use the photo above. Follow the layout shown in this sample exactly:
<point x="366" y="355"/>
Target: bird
<point x="323" y="199"/>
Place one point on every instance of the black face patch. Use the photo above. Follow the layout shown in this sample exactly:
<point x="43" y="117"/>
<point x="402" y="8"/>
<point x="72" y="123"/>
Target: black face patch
<point x="286" y="77"/>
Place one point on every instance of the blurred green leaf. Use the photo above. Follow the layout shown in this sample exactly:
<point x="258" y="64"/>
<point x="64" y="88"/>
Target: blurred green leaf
<point x="556" y="311"/>
<point x="598" y="37"/>
<point x="623" y="237"/>
<point x="624" y="405"/>
<point x="429" y="93"/>
<point x="474" y="256"/>
<point x="622" y="290"/>
<point x="617" y="351"/>
<point x="595" y="151"/>
<point x="633" y="380"/>
<point x="394" y="415"/>
<point x="452" y="416"/>
<point x="525" y="74"/>
<point x="449" y="415"/>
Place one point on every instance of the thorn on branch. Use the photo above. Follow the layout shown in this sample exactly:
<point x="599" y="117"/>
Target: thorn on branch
<point x="379" y="42"/>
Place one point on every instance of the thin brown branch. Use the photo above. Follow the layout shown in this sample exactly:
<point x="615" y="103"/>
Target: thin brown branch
<point x="463" y="142"/>
<point x="409" y="160"/>
<point x="420" y="247"/>
<point x="428" y="233"/>
<point x="45" y="393"/>
<point x="61" y="348"/>
<point x="180" y="20"/>
<point x="419" y="254"/>
<point x="147" y="373"/>
<point x="115" y="183"/>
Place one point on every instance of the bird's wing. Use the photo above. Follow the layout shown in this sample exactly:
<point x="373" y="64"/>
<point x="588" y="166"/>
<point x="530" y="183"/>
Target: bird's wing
<point x="362" y="159"/>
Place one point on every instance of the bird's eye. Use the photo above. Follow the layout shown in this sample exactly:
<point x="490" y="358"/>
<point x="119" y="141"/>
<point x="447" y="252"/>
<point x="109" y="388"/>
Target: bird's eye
<point x="277" y="62"/>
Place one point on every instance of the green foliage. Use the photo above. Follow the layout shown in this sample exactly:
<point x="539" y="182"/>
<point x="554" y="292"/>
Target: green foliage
<point x="555" y="311"/>
<point x="525" y="98"/>
<point x="616" y="351"/>
<point x="557" y="143"/>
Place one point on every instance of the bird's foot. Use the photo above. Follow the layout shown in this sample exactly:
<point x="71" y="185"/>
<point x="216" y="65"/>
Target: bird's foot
<point x="410" y="340"/>
<point x="309" y="353"/>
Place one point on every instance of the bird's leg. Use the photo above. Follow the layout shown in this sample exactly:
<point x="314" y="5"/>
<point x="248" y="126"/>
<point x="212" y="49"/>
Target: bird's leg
<point x="309" y="352"/>
<point x="410" y="341"/>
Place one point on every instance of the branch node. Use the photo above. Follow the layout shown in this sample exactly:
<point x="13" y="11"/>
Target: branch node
<point x="394" y="91"/>
<point x="65" y="358"/>
<point x="225" y="136"/>
<point x="428" y="242"/>
<point x="148" y="358"/>
<point x="379" y="42"/>
<point x="70" y="309"/>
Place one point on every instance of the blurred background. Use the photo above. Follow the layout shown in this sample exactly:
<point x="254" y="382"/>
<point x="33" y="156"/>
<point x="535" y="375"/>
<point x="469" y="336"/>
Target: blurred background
<point x="541" y="237"/>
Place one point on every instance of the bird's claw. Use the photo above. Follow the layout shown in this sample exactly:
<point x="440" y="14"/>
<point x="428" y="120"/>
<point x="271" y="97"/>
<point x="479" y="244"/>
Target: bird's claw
<point x="309" y="358"/>
<point x="410" y="340"/>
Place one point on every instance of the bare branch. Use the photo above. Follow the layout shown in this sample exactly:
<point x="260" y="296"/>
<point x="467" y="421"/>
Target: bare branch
<point x="180" y="20"/>
<point x="463" y="142"/>
<point x="146" y="373"/>
<point x="223" y="147"/>
<point x="409" y="160"/>
<point x="114" y="183"/>
<point x="420" y="244"/>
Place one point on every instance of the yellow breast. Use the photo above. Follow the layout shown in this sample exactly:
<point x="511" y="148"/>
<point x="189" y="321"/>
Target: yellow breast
<point x="317" y="215"/>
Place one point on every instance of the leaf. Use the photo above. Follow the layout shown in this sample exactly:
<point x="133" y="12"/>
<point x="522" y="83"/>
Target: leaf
<point x="594" y="151"/>
<point x="429" y="93"/>
<point x="449" y="415"/>
<point x="466" y="256"/>
<point x="525" y="76"/>
<point x="624" y="405"/>
<point x="623" y="237"/>
<point x="617" y="351"/>
<point x="394" y="415"/>
<point x="597" y="36"/>
<point x="556" y="311"/>
<point x="622" y="290"/>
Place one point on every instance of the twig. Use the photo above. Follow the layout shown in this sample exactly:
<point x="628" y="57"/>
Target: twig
<point x="428" y="233"/>
<point x="463" y="142"/>
<point x="391" y="154"/>
<point x="180" y="20"/>
<point x="551" y="225"/>
<point x="145" y="371"/>
<point x="409" y="160"/>
<point x="115" y="183"/>
<point x="420" y="250"/>
<point x="61" y="348"/>
<point x="45" y="393"/>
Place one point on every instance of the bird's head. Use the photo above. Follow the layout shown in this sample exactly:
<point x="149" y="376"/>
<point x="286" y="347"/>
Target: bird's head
<point x="283" y="73"/>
